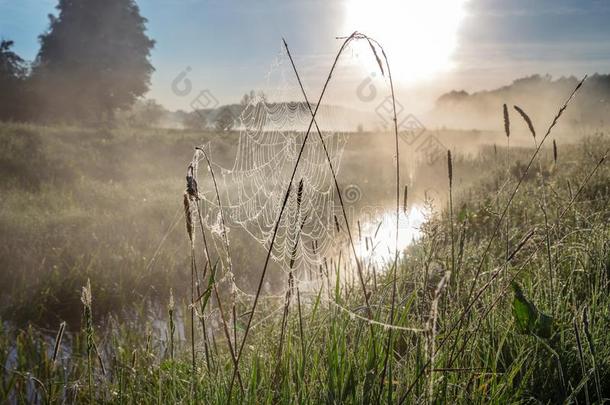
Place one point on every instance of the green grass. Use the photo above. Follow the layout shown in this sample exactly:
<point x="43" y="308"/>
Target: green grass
<point x="79" y="203"/>
<point x="328" y="356"/>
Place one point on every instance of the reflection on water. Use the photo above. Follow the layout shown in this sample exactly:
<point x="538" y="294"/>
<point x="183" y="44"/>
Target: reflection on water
<point x="377" y="240"/>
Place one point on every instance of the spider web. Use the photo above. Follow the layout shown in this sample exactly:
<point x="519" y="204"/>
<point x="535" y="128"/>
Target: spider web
<point x="249" y="193"/>
<point x="253" y="188"/>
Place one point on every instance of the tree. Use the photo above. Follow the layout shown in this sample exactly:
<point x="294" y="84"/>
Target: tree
<point x="196" y="120"/>
<point x="247" y="98"/>
<point x="93" y="60"/>
<point x="224" y="119"/>
<point x="146" y="113"/>
<point x="13" y="72"/>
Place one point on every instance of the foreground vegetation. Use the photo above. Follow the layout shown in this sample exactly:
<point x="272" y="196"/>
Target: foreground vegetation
<point x="489" y="308"/>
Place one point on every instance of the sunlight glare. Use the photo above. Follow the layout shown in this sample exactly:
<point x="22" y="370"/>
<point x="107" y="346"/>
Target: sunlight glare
<point x="419" y="36"/>
<point x="381" y="229"/>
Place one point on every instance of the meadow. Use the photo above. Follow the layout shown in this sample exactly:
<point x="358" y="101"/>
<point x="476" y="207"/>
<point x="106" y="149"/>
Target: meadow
<point x="503" y="298"/>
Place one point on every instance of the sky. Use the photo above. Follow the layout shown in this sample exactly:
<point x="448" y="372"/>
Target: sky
<point x="228" y="47"/>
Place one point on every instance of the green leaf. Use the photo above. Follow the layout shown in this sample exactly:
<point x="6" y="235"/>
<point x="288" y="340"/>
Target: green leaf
<point x="528" y="319"/>
<point x="462" y="215"/>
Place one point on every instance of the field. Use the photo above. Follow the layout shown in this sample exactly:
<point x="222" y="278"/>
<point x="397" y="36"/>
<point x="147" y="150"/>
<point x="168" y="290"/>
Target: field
<point x="503" y="298"/>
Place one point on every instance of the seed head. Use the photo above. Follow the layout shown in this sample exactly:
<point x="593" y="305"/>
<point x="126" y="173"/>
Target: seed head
<point x="85" y="296"/>
<point x="506" y="122"/>
<point x="188" y="215"/>
<point x="527" y="120"/>
<point x="449" y="168"/>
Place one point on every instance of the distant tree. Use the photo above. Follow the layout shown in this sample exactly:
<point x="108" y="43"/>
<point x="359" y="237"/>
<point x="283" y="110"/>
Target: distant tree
<point x="247" y="98"/>
<point x="146" y="114"/>
<point x="197" y="120"/>
<point x="454" y="96"/>
<point x="93" y="60"/>
<point x="224" y="120"/>
<point x="13" y="72"/>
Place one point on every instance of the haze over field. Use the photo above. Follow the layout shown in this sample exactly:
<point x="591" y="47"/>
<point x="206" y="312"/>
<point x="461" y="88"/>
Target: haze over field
<point x="304" y="201"/>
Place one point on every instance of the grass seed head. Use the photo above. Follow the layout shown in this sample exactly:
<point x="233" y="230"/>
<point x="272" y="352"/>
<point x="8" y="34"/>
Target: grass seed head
<point x="171" y="303"/>
<point x="188" y="216"/>
<point x="449" y="168"/>
<point x="506" y="122"/>
<point x="300" y="195"/>
<point x="527" y="120"/>
<point x="85" y="296"/>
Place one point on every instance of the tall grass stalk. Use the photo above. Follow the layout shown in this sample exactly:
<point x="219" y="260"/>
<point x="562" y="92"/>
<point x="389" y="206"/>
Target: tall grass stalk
<point x="86" y="299"/>
<point x="543" y="206"/>
<point x="289" y="290"/>
<point x="58" y="339"/>
<point x="507" y="133"/>
<point x="191" y="194"/>
<point x="431" y="330"/>
<point x="591" y="345"/>
<point x="172" y="326"/>
<point x="394" y="269"/>
<point x="450" y="178"/>
<point x="581" y="358"/>
<point x="192" y="190"/>
<point x="225" y="237"/>
<point x="334" y="176"/>
<point x="283" y="206"/>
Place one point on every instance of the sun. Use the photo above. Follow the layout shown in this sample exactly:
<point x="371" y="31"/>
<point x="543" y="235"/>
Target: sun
<point x="419" y="36"/>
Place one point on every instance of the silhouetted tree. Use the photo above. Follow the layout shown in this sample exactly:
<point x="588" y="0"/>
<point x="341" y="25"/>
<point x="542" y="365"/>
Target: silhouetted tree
<point x="13" y="72"/>
<point x="93" y="60"/>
